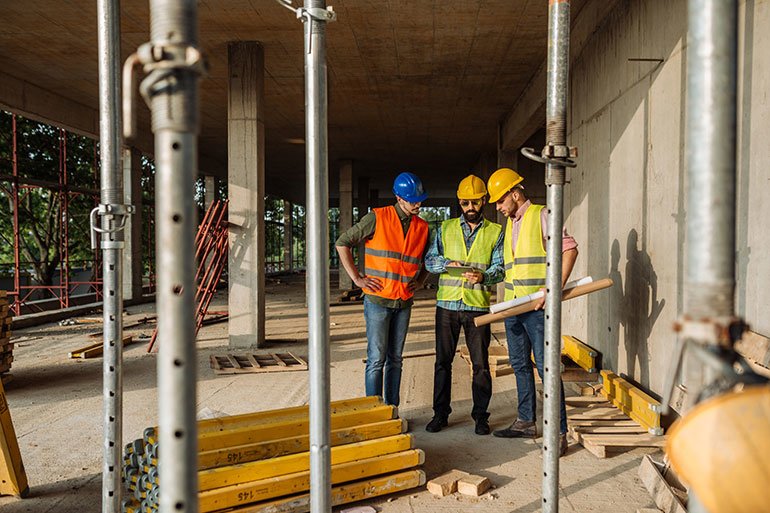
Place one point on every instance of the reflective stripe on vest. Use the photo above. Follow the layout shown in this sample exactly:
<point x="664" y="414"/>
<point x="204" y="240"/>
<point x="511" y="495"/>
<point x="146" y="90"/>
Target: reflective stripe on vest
<point x="525" y="273"/>
<point x="391" y="257"/>
<point x="479" y="256"/>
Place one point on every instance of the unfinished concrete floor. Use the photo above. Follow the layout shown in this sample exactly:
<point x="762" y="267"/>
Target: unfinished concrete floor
<point x="56" y="407"/>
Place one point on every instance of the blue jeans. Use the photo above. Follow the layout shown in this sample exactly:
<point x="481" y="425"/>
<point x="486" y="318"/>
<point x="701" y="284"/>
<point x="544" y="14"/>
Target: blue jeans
<point x="385" y="334"/>
<point x="526" y="335"/>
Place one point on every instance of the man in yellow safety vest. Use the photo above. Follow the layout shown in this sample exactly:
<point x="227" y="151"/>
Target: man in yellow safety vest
<point x="474" y="247"/>
<point x="525" y="272"/>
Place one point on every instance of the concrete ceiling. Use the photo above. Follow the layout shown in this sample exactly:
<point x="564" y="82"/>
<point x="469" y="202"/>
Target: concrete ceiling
<point x="416" y="85"/>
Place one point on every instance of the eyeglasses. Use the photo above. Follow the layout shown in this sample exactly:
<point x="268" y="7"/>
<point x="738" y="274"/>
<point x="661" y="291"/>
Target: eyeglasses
<point x="467" y="203"/>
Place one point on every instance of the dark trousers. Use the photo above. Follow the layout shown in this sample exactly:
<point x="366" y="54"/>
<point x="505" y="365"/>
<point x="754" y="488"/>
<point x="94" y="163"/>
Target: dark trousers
<point x="448" y="324"/>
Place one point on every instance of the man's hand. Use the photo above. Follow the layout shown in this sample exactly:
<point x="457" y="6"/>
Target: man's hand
<point x="540" y="302"/>
<point x="474" y="277"/>
<point x="453" y="263"/>
<point x="413" y="284"/>
<point x="368" y="283"/>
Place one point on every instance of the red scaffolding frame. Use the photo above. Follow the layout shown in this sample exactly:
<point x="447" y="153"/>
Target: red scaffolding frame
<point x="19" y="188"/>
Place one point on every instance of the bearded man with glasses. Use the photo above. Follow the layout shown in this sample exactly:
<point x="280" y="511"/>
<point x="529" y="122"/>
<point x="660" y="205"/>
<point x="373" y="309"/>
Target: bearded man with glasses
<point x="475" y="245"/>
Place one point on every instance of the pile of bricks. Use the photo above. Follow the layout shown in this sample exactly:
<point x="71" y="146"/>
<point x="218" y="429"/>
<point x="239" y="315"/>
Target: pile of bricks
<point x="259" y="462"/>
<point x="6" y="346"/>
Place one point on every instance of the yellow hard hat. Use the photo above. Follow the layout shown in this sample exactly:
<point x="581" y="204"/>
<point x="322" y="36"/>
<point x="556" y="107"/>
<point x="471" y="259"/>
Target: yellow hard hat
<point x="471" y="187"/>
<point x="502" y="181"/>
<point x="720" y="449"/>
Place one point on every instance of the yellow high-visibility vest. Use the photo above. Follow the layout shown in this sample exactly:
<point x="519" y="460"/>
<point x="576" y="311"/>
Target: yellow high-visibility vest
<point x="479" y="256"/>
<point x="525" y="268"/>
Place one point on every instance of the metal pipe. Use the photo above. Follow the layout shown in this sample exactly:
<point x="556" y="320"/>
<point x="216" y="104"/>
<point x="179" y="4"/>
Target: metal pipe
<point x="556" y="137"/>
<point x="111" y="181"/>
<point x="711" y="77"/>
<point x="16" y="227"/>
<point x="317" y="255"/>
<point x="175" y="63"/>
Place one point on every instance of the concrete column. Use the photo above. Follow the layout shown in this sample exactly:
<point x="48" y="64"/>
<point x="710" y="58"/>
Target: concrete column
<point x="132" y="251"/>
<point x="210" y="190"/>
<point x="362" y="201"/>
<point x="246" y="191"/>
<point x="346" y="212"/>
<point x="288" y="236"/>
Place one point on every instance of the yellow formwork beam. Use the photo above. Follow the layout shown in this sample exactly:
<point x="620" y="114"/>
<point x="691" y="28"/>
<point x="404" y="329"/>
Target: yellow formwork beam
<point x="273" y="431"/>
<point x="296" y="444"/>
<point x="284" y="414"/>
<point x="343" y="494"/>
<point x="579" y="352"/>
<point x="13" y="477"/>
<point x="269" y="488"/>
<point x="632" y="401"/>
<point x="293" y="463"/>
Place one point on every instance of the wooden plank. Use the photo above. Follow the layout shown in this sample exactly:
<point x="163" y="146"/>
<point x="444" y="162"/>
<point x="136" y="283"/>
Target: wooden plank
<point x="295" y="444"/>
<point x="248" y="434"/>
<point x="601" y="422"/>
<point x="94" y="350"/>
<point x="214" y="362"/>
<point x="621" y="440"/>
<point x="13" y="477"/>
<point x="446" y="483"/>
<point x="632" y="401"/>
<point x="600" y="451"/>
<point x="262" y="489"/>
<point x="300" y="462"/>
<point x="660" y="490"/>
<point x="252" y="360"/>
<point x="233" y="362"/>
<point x="278" y="359"/>
<point x="299" y="413"/>
<point x="585" y="400"/>
<point x="755" y="347"/>
<point x="342" y="494"/>
<point x="300" y="361"/>
<point x="607" y="429"/>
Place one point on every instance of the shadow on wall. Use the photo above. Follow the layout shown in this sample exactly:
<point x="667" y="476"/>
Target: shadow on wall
<point x="636" y="305"/>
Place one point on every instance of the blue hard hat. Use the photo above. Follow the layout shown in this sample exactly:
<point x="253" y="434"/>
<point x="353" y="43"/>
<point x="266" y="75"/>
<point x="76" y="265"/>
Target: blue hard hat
<point x="409" y="187"/>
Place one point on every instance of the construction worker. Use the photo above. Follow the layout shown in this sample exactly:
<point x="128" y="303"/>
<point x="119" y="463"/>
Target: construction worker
<point x="525" y="272"/>
<point x="396" y="239"/>
<point x="477" y="243"/>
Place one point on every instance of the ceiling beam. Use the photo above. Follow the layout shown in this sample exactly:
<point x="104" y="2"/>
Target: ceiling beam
<point x="528" y="113"/>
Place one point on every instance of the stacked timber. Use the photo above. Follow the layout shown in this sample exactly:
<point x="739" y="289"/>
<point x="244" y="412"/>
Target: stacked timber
<point x="6" y="346"/>
<point x="259" y="462"/>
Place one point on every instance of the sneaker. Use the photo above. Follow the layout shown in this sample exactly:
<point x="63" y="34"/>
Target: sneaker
<point x="436" y="423"/>
<point x="563" y="444"/>
<point x="519" y="429"/>
<point x="482" y="427"/>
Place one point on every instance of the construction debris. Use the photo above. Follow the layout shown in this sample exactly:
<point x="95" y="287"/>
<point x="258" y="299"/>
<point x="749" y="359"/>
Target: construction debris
<point x="473" y="485"/>
<point x="94" y="350"/>
<point x="258" y="461"/>
<point x="446" y="484"/>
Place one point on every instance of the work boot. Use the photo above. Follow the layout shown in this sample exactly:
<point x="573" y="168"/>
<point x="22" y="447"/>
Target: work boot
<point x="563" y="445"/>
<point x="519" y="429"/>
<point x="482" y="426"/>
<point x="436" y="423"/>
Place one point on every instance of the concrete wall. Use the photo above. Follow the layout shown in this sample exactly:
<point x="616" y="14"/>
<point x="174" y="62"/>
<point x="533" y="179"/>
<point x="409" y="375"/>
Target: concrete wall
<point x="626" y="203"/>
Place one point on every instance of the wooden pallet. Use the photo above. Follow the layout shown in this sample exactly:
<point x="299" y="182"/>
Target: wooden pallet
<point x="602" y="428"/>
<point x="245" y="363"/>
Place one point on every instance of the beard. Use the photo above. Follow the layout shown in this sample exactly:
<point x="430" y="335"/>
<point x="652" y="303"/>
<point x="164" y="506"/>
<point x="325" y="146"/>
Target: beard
<point x="472" y="216"/>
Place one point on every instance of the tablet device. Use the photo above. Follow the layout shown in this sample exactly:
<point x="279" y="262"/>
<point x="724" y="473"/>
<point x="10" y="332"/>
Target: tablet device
<point x="457" y="272"/>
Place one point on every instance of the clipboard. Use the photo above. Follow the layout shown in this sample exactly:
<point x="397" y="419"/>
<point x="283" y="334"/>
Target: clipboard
<point x="457" y="272"/>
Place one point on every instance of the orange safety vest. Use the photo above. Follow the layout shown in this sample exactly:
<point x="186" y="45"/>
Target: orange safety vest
<point x="392" y="257"/>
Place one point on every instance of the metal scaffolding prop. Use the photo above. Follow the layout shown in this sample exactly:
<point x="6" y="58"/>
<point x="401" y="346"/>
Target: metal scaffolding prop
<point x="17" y="187"/>
<point x="315" y="15"/>
<point x="710" y="276"/>
<point x="174" y="64"/>
<point x="556" y="156"/>
<point x="112" y="214"/>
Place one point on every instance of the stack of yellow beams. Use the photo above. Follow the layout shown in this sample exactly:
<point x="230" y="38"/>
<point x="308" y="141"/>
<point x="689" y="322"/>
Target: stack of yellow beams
<point x="258" y="461"/>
